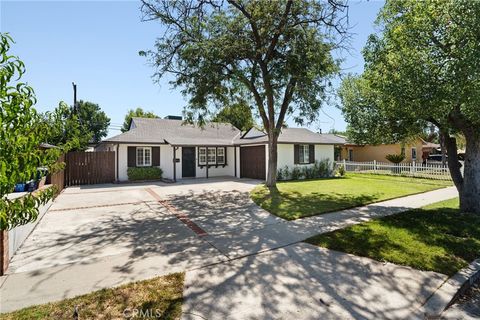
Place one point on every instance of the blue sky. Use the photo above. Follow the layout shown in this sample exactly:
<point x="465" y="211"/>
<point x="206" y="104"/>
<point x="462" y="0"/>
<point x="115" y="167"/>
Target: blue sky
<point x="96" y="44"/>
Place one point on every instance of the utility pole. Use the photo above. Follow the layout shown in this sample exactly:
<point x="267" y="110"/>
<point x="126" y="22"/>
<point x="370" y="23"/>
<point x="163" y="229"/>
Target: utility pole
<point x="74" y="97"/>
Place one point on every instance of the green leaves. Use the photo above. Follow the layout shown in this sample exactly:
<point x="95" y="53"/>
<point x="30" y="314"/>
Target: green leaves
<point x="423" y="67"/>
<point x="23" y="210"/>
<point x="275" y="55"/>
<point x="144" y="173"/>
<point x="395" y="158"/>
<point x="76" y="130"/>
<point x="238" y="114"/>
<point x="22" y="132"/>
<point x="137" y="113"/>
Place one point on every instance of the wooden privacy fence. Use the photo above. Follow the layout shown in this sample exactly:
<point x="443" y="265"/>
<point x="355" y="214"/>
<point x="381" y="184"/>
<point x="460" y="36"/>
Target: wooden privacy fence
<point x="418" y="170"/>
<point x="58" y="178"/>
<point x="89" y="167"/>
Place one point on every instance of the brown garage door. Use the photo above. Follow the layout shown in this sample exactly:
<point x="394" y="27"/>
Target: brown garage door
<point x="252" y="162"/>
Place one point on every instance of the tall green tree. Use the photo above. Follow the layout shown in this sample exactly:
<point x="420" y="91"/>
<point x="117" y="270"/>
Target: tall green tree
<point x="423" y="69"/>
<point x="85" y="125"/>
<point x="93" y="121"/>
<point x="279" y="52"/>
<point x="238" y="114"/>
<point x="136" y="113"/>
<point x="64" y="128"/>
<point x="22" y="131"/>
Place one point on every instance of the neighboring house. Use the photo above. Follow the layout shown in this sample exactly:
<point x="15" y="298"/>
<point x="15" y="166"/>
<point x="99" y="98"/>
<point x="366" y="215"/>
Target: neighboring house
<point x="415" y="151"/>
<point x="219" y="149"/>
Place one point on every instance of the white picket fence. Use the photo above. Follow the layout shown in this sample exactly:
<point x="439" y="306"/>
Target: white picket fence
<point x="429" y="171"/>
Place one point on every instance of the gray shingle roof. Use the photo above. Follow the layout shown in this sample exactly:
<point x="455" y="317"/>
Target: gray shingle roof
<point x="155" y="130"/>
<point x="290" y="135"/>
<point x="174" y="132"/>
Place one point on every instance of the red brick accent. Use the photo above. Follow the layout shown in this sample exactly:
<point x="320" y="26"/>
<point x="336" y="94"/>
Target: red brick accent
<point x="183" y="217"/>
<point x="4" y="256"/>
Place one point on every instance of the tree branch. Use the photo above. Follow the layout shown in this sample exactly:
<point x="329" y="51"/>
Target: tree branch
<point x="287" y="98"/>
<point x="279" y="29"/>
<point x="252" y="23"/>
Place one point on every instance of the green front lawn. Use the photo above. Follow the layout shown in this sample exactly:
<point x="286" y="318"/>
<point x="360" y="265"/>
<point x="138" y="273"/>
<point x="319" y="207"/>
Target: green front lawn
<point x="160" y="298"/>
<point x="435" y="238"/>
<point x="297" y="199"/>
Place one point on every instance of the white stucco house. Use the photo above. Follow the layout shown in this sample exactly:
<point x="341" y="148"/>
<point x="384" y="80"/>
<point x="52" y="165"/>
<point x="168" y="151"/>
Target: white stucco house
<point x="218" y="149"/>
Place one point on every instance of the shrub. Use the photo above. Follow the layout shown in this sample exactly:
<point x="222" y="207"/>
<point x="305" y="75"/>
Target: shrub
<point x="283" y="174"/>
<point x="395" y="158"/>
<point x="280" y="174"/>
<point x="296" y="173"/>
<point x="286" y="173"/>
<point x="310" y="172"/>
<point x="144" y="173"/>
<point x="341" y="171"/>
<point x="322" y="169"/>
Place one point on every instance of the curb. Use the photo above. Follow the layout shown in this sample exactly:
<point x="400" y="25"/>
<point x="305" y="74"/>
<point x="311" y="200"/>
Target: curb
<point x="449" y="291"/>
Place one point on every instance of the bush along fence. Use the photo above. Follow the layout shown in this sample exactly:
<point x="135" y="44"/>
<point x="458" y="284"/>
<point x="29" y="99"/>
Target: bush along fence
<point x="418" y="170"/>
<point x="320" y="169"/>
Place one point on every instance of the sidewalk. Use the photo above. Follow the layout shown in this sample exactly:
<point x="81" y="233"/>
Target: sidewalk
<point x="279" y="233"/>
<point x="303" y="281"/>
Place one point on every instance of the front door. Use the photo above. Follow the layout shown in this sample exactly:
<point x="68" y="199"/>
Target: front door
<point x="188" y="162"/>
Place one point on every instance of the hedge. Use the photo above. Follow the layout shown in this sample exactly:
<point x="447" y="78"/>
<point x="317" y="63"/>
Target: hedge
<point x="144" y="173"/>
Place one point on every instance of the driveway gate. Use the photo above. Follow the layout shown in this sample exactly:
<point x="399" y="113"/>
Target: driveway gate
<point x="89" y="167"/>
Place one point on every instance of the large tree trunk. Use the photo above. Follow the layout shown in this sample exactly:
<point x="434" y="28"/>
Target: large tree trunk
<point x="272" y="161"/>
<point x="470" y="194"/>
<point x="468" y="183"/>
<point x="443" y="149"/>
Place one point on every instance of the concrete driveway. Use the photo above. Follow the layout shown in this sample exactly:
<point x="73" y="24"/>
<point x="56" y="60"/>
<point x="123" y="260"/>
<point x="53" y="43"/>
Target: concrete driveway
<point x="106" y="235"/>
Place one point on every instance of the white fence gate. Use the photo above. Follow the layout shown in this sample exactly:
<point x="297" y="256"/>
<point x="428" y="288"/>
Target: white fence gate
<point x="419" y="170"/>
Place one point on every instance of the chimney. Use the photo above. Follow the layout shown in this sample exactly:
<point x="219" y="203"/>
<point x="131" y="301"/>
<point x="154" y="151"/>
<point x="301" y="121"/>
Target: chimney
<point x="173" y="117"/>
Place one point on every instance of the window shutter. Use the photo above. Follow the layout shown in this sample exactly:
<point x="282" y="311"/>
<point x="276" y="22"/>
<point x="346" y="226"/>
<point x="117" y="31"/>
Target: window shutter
<point x="311" y="153"/>
<point x="131" y="157"/>
<point x="295" y="154"/>
<point x="156" y="156"/>
<point x="225" y="154"/>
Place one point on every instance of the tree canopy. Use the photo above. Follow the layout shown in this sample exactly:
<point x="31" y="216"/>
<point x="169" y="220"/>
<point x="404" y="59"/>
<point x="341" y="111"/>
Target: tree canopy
<point x="274" y="54"/>
<point x="93" y="121"/>
<point x="136" y="113"/>
<point x="238" y="114"/>
<point x="422" y="69"/>
<point x="89" y="124"/>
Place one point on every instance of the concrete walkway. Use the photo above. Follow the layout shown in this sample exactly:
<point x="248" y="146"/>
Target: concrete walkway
<point x="303" y="281"/>
<point x="237" y="227"/>
<point x="104" y="236"/>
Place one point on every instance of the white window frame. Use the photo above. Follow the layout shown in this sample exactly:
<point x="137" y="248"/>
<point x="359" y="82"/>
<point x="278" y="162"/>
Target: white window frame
<point x="414" y="150"/>
<point x="214" y="156"/>
<point x="303" y="150"/>
<point x="202" y="156"/>
<point x="222" y="149"/>
<point x="143" y="156"/>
